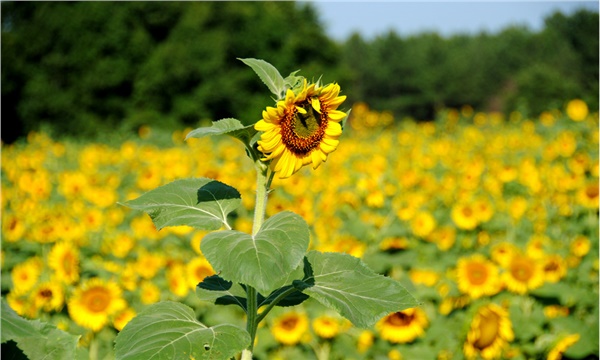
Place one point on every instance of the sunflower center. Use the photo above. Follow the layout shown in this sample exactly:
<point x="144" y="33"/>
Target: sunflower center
<point x="400" y="319"/>
<point x="521" y="270"/>
<point x="46" y="293"/>
<point x="477" y="273"/>
<point x="289" y="323"/>
<point x="488" y="330"/>
<point x="467" y="211"/>
<point x="301" y="133"/>
<point x="96" y="299"/>
<point x="592" y="192"/>
<point x="202" y="272"/>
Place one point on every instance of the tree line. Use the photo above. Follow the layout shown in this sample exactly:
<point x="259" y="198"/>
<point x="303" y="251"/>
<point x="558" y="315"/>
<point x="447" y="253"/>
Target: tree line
<point x="86" y="68"/>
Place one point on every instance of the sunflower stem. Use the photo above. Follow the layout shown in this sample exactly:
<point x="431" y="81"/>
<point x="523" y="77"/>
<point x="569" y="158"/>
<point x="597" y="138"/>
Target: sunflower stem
<point x="263" y="182"/>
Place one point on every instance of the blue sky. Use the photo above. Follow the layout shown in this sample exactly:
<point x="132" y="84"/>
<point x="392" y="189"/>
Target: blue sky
<point x="370" y="19"/>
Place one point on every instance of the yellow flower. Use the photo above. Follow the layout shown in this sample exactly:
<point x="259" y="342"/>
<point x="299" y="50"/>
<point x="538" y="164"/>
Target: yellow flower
<point x="303" y="129"/>
<point x="580" y="246"/>
<point x="559" y="349"/>
<point x="64" y="260"/>
<point x="477" y="276"/>
<point x="577" y="110"/>
<point x="197" y="270"/>
<point x="13" y="228"/>
<point x="149" y="292"/>
<point x="489" y="334"/>
<point x="123" y="317"/>
<point x="48" y="296"/>
<point x="289" y="328"/>
<point x="503" y="252"/>
<point x="464" y="216"/>
<point x="326" y="327"/>
<point x="555" y="268"/>
<point x="394" y="354"/>
<point x="523" y="273"/>
<point x="26" y="274"/>
<point x="425" y="277"/>
<point x="444" y="237"/>
<point x="402" y="326"/>
<point x="176" y="279"/>
<point x="365" y="341"/>
<point x="94" y="301"/>
<point x="422" y="224"/>
<point x="588" y="195"/>
<point x="148" y="264"/>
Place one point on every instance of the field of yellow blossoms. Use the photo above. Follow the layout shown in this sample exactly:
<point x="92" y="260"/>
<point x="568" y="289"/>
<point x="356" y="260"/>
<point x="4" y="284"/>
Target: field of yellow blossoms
<point x="491" y="222"/>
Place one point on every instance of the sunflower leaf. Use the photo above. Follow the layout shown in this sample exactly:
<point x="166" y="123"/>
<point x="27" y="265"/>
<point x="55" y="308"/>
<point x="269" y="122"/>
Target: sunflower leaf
<point x="201" y="203"/>
<point x="37" y="339"/>
<point x="169" y="330"/>
<point x="344" y="283"/>
<point x="268" y="74"/>
<point x="229" y="126"/>
<point x="263" y="260"/>
<point x="221" y="292"/>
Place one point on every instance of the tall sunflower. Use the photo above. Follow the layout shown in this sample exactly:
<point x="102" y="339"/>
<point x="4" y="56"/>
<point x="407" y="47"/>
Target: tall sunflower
<point x="303" y="129"/>
<point x="403" y="326"/>
<point x="490" y="332"/>
<point x="94" y="302"/>
<point x="64" y="260"/>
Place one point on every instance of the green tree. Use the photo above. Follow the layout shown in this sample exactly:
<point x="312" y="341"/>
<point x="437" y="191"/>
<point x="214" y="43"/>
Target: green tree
<point x="87" y="67"/>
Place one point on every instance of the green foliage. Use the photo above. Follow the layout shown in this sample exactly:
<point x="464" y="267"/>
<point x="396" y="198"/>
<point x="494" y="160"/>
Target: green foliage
<point x="263" y="260"/>
<point x="169" y="330"/>
<point x="86" y="68"/>
<point x="201" y="203"/>
<point x="37" y="340"/>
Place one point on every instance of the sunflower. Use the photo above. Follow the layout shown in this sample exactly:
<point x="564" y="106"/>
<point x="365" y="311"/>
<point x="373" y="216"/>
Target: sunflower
<point x="555" y="268"/>
<point x="403" y="326"/>
<point x="123" y="317"/>
<point x="477" y="276"/>
<point x="94" y="301"/>
<point x="25" y="275"/>
<point x="197" y="270"/>
<point x="490" y="332"/>
<point x="303" y="129"/>
<point x="64" y="260"/>
<point x="48" y="296"/>
<point x="577" y="110"/>
<point x="423" y="224"/>
<point x="326" y="326"/>
<point x="464" y="216"/>
<point x="290" y="328"/>
<point x="523" y="273"/>
<point x="559" y="349"/>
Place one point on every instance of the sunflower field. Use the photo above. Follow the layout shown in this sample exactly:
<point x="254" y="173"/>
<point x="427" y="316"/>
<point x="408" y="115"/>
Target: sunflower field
<point x="489" y="221"/>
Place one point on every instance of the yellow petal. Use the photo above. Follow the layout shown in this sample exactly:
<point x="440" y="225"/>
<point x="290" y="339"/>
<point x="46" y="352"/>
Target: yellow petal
<point x="300" y="110"/>
<point x="336" y="115"/>
<point x="316" y="158"/>
<point x="262" y="125"/>
<point x="333" y="129"/>
<point x="269" y="144"/>
<point x="316" y="104"/>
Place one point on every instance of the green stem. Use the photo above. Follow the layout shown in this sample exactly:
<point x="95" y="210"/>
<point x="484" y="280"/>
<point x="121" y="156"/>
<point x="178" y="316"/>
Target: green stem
<point x="273" y="303"/>
<point x="263" y="182"/>
<point x="93" y="348"/>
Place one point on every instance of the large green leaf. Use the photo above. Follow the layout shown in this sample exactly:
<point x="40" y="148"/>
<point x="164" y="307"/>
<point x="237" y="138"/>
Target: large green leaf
<point x="268" y="74"/>
<point x="229" y="126"/>
<point x="264" y="260"/>
<point x="344" y="283"/>
<point x="36" y="339"/>
<point x="201" y="203"/>
<point x="169" y="330"/>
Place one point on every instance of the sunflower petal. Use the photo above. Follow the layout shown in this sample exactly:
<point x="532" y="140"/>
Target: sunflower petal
<point x="336" y="115"/>
<point x="333" y="129"/>
<point x="316" y="104"/>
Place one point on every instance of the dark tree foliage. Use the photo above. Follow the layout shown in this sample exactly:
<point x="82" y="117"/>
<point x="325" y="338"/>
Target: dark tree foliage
<point x="90" y="68"/>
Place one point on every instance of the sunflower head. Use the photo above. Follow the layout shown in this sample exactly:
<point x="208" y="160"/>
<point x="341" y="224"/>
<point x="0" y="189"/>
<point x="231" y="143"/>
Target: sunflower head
<point x="302" y="129"/>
